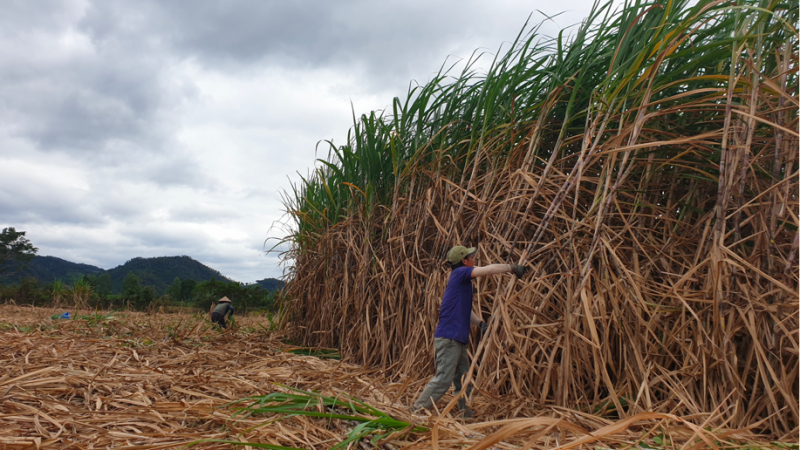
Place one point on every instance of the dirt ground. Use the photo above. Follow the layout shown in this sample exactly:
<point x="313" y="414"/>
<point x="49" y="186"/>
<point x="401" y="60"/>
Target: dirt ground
<point x="138" y="381"/>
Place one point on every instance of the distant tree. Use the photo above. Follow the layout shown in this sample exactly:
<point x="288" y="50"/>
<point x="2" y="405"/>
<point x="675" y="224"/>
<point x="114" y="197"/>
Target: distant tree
<point x="16" y="251"/>
<point x="101" y="284"/>
<point x="174" y="291"/>
<point x="137" y="295"/>
<point x="207" y="292"/>
<point x="187" y="286"/>
<point x="28" y="291"/>
<point x="147" y="297"/>
<point x="131" y="286"/>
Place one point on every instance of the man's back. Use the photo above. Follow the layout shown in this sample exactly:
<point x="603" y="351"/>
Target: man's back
<point x="223" y="308"/>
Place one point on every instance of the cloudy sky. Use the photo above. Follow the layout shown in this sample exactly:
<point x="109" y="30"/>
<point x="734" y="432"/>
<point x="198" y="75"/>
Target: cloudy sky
<point x="160" y="128"/>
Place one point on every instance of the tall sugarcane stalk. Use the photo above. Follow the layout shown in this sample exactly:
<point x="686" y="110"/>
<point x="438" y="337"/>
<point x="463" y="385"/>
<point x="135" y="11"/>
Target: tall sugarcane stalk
<point x="642" y="168"/>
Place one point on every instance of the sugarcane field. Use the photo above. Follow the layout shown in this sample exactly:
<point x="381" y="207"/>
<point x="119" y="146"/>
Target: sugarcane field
<point x="619" y="203"/>
<point x="171" y="380"/>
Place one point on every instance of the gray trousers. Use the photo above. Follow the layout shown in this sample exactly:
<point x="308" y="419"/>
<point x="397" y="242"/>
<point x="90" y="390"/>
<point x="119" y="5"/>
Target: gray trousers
<point x="452" y="362"/>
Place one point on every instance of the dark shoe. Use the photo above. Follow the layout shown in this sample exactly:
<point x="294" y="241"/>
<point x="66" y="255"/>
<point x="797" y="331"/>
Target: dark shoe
<point x="466" y="413"/>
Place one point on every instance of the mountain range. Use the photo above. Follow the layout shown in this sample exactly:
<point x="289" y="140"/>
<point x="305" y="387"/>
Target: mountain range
<point x="159" y="272"/>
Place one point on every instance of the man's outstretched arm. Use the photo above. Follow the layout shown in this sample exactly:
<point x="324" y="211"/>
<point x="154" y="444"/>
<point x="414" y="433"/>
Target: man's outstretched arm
<point x="494" y="269"/>
<point x="474" y="320"/>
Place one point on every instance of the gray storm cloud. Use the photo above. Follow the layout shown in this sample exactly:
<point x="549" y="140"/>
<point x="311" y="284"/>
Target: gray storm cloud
<point x="154" y="128"/>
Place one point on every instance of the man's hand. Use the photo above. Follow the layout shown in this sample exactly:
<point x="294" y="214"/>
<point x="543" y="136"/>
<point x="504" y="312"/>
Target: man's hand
<point x="484" y="328"/>
<point x="518" y="270"/>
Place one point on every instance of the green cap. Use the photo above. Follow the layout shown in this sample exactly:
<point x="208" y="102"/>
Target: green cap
<point x="459" y="252"/>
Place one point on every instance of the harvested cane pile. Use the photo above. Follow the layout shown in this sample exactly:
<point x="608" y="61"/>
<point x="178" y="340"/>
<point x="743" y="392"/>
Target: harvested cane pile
<point x="645" y="170"/>
<point x="130" y="380"/>
<point x="135" y="381"/>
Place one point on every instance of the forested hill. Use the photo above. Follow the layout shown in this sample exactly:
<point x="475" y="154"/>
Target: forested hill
<point x="160" y="272"/>
<point x="49" y="268"/>
<point x="270" y="284"/>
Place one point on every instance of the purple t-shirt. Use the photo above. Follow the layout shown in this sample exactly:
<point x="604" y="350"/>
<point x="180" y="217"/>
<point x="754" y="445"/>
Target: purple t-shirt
<point x="456" y="306"/>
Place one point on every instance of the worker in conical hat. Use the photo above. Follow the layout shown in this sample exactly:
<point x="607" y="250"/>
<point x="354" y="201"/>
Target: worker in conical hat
<point x="222" y="309"/>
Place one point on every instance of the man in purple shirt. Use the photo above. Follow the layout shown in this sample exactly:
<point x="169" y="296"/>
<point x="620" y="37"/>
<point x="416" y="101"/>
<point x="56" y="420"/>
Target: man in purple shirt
<point x="452" y="333"/>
